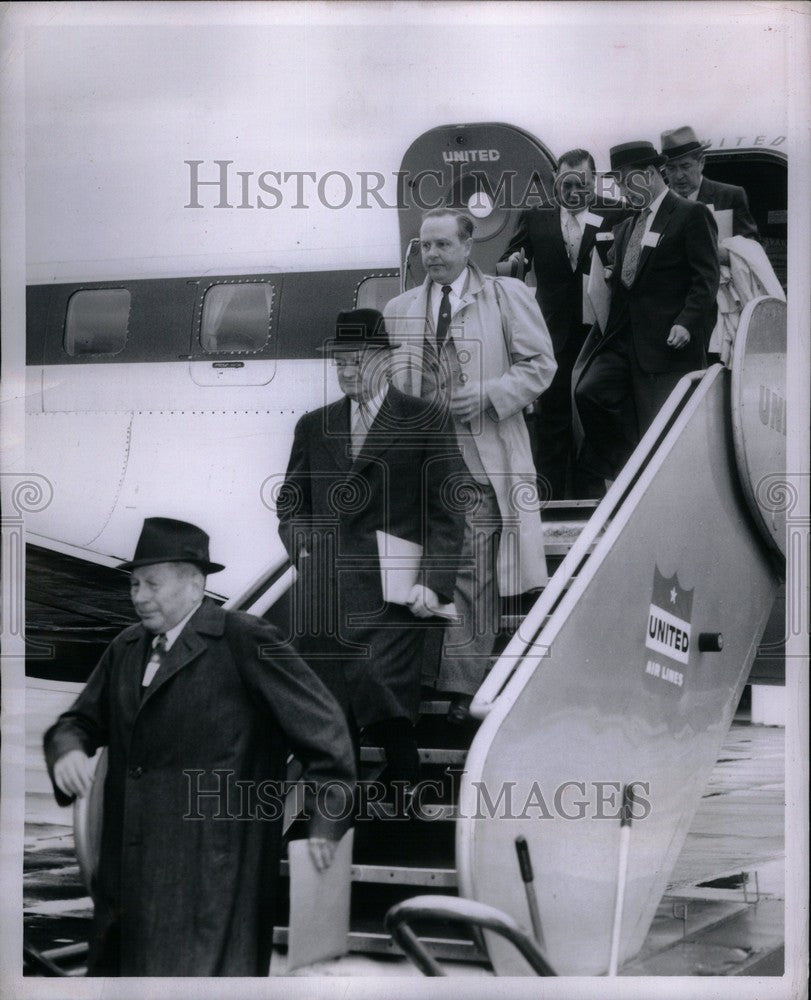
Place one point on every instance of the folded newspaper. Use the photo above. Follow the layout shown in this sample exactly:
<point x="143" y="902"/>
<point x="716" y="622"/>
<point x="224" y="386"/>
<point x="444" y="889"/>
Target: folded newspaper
<point x="400" y="564"/>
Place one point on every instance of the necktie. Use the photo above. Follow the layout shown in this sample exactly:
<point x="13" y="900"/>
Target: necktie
<point x="359" y="428"/>
<point x="630" y="261"/>
<point x="155" y="660"/>
<point x="444" y="320"/>
<point x="573" y="237"/>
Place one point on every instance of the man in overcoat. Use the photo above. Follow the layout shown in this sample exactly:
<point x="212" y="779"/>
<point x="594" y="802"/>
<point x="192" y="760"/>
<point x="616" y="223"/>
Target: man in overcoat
<point x="480" y="346"/>
<point x="664" y="281"/>
<point x="558" y="238"/>
<point x="376" y="461"/>
<point x="197" y="707"/>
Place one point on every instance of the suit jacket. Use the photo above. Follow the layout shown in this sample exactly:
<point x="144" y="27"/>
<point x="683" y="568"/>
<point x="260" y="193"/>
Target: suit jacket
<point x="559" y="289"/>
<point x="193" y="895"/>
<point x="676" y="283"/>
<point x="728" y="196"/>
<point x="502" y="343"/>
<point x="331" y="506"/>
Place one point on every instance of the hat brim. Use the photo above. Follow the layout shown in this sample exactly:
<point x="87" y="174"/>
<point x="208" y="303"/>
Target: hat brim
<point x="688" y="147"/>
<point x="651" y="161"/>
<point x="206" y="567"/>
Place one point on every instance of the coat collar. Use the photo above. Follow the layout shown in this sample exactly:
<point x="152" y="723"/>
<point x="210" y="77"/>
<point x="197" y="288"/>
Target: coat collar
<point x="208" y="620"/>
<point x="386" y="426"/>
<point x="660" y="223"/>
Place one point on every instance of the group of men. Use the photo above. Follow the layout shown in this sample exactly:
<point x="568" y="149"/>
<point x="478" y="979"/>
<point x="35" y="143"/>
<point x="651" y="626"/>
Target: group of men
<point x="661" y="252"/>
<point x="424" y="463"/>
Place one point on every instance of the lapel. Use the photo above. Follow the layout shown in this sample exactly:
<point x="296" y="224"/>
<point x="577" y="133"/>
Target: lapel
<point x="209" y="619"/>
<point x="591" y="226"/>
<point x="383" y="430"/>
<point x="658" y="226"/>
<point x="554" y="226"/>
<point x="474" y="286"/>
<point x="335" y="439"/>
<point x="418" y="322"/>
<point x="138" y="647"/>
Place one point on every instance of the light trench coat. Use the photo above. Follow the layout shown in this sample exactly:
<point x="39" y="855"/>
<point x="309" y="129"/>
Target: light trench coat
<point x="502" y="343"/>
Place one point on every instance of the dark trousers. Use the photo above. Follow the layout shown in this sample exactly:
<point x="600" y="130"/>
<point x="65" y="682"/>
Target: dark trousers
<point x="560" y="476"/>
<point x="396" y="737"/>
<point x="612" y="381"/>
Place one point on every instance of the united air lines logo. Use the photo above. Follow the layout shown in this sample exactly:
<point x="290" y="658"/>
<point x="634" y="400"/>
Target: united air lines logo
<point x="668" y="630"/>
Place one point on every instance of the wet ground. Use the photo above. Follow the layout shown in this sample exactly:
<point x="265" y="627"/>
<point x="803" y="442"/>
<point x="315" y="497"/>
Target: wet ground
<point x="722" y="913"/>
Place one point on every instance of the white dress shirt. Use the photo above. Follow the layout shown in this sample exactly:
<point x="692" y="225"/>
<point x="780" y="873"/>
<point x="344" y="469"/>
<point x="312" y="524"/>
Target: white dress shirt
<point x="455" y="297"/>
<point x="371" y="407"/>
<point x="171" y="635"/>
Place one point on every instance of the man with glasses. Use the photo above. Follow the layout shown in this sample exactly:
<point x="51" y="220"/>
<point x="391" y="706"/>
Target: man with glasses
<point x="558" y="239"/>
<point x="371" y="478"/>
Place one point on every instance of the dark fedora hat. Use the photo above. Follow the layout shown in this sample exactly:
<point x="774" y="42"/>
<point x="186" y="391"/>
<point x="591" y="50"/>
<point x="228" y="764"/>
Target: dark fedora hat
<point x="634" y="154"/>
<point x="165" y="540"/>
<point x="357" y="328"/>
<point x="679" y="141"/>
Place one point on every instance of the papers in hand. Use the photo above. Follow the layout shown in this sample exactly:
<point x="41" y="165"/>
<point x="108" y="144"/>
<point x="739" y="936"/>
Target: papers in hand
<point x="319" y="904"/>
<point x="400" y="564"/>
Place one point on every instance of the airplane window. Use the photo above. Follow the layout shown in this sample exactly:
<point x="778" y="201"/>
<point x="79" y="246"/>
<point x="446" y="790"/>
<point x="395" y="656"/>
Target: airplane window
<point x="236" y="317"/>
<point x="97" y="321"/>
<point x="376" y="290"/>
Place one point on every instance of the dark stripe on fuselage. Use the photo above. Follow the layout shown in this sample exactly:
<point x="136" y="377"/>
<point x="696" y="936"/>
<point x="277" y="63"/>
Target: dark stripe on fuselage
<point x="164" y="319"/>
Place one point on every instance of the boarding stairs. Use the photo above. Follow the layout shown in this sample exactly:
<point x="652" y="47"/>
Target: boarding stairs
<point x="688" y="501"/>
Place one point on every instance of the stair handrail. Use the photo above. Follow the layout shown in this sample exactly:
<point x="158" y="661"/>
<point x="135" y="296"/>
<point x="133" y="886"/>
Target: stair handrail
<point x="278" y="574"/>
<point x="457" y="910"/>
<point x="516" y="650"/>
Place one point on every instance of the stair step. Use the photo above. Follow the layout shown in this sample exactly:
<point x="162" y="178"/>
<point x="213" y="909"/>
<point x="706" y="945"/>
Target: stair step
<point x="396" y="875"/>
<point x="371" y="942"/>
<point x="428" y="755"/>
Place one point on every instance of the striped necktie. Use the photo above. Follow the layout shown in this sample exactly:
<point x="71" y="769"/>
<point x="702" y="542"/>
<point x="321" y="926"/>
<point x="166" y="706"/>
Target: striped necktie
<point x="155" y="660"/>
<point x="359" y="429"/>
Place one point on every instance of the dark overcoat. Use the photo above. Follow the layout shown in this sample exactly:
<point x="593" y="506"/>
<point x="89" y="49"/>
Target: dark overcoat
<point x="188" y="894"/>
<point x="408" y="481"/>
<point x="721" y="197"/>
<point x="559" y="288"/>
<point x="676" y="283"/>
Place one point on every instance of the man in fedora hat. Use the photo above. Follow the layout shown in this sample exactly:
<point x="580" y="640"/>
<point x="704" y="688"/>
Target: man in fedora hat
<point x="685" y="175"/>
<point x="478" y="346"/>
<point x="370" y="476"/>
<point x="664" y="281"/>
<point x="197" y="707"/>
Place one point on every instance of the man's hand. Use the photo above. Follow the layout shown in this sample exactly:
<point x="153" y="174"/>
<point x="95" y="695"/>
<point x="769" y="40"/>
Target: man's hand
<point x="322" y="851"/>
<point x="422" y="601"/>
<point x="679" y="337"/>
<point x="468" y="401"/>
<point x="73" y="773"/>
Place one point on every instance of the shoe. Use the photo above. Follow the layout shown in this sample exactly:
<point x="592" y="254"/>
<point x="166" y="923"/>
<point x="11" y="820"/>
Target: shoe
<point x="459" y="710"/>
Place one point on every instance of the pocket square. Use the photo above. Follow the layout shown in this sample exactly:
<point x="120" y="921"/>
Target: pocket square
<point x="651" y="239"/>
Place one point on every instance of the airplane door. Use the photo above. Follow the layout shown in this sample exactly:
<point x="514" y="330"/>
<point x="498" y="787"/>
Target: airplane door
<point x="491" y="170"/>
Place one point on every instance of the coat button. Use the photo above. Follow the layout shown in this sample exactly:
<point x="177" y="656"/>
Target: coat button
<point x="464" y="378"/>
<point x="136" y="772"/>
